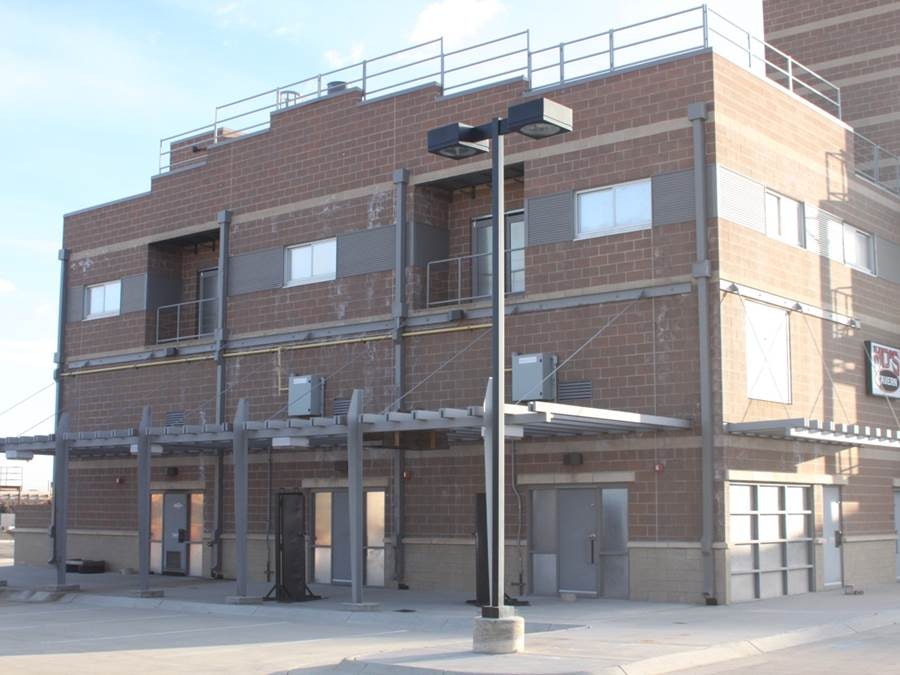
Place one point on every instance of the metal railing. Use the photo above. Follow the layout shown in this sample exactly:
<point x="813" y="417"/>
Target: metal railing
<point x="11" y="477"/>
<point x="186" y="320"/>
<point x="874" y="162"/>
<point x="465" y="278"/>
<point x="632" y="46"/>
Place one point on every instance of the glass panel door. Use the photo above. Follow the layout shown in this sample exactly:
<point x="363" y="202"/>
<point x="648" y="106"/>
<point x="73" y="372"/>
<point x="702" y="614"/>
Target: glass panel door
<point x="482" y="245"/>
<point x="208" y="306"/>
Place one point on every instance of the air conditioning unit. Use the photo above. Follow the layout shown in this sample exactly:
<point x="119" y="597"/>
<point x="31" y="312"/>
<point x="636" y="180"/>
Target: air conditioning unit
<point x="533" y="377"/>
<point x="306" y="395"/>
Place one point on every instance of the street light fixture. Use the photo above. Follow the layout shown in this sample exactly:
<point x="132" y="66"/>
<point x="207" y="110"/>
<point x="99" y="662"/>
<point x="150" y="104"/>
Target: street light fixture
<point x="538" y="118"/>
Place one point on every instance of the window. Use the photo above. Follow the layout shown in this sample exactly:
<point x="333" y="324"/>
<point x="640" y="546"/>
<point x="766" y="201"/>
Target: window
<point x="312" y="262"/>
<point x="859" y="249"/>
<point x="102" y="299"/>
<point x="621" y="208"/>
<point x="824" y="233"/>
<point x="768" y="353"/>
<point x="784" y="218"/>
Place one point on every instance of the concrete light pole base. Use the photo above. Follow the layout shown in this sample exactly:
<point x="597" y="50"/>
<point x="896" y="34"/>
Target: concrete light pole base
<point x="60" y="588"/>
<point x="499" y="636"/>
<point x="362" y="606"/>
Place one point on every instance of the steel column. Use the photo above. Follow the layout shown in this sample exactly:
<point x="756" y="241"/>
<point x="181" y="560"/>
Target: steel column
<point x="60" y="497"/>
<point x="697" y="113"/>
<point x="59" y="360"/>
<point x="239" y="458"/>
<point x="143" y="495"/>
<point x="224" y="220"/>
<point x="355" y="488"/>
<point x="495" y="480"/>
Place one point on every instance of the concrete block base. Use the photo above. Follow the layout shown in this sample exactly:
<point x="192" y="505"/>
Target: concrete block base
<point x="2" y="583"/>
<point x="243" y="600"/>
<point x="149" y="593"/>
<point x="60" y="588"/>
<point x="499" y="636"/>
<point x="361" y="606"/>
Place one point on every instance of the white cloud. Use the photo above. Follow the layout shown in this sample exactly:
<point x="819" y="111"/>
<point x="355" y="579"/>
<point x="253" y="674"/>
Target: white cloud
<point x="458" y="21"/>
<point x="336" y="59"/>
<point x="7" y="287"/>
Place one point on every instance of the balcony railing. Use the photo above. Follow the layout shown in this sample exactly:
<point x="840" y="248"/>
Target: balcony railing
<point x="186" y="320"/>
<point x="877" y="164"/>
<point x="636" y="45"/>
<point x="453" y="281"/>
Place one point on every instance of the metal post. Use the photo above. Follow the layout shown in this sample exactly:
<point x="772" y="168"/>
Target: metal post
<point x="496" y="488"/>
<point x="239" y="457"/>
<point x="562" y="62"/>
<point x="442" y="64"/>
<point x="876" y="157"/>
<point x="705" y="27"/>
<point x="750" y="50"/>
<point x="528" y="57"/>
<point x="224" y="220"/>
<point x="701" y="272"/>
<point x="60" y="497"/>
<point x="143" y="493"/>
<point x="364" y="79"/>
<point x="790" y="73"/>
<point x="59" y="359"/>
<point x="612" y="51"/>
<point x="355" y="488"/>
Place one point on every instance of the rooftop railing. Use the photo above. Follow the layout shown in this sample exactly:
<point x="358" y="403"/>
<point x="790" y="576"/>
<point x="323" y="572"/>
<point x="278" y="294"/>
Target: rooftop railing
<point x="617" y="49"/>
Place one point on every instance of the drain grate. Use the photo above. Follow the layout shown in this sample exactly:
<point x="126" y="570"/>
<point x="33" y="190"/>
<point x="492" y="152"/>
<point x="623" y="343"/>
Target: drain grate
<point x="405" y="611"/>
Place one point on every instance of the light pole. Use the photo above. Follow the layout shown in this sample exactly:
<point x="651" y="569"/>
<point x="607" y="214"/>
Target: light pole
<point x="538" y="118"/>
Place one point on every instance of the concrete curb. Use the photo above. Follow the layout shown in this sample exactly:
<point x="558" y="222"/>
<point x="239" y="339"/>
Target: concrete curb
<point x="694" y="658"/>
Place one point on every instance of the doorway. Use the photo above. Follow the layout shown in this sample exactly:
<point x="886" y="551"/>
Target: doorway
<point x="208" y="308"/>
<point x="176" y="533"/>
<point x="833" y="535"/>
<point x="579" y="541"/>
<point x="331" y="541"/>
<point x="482" y="244"/>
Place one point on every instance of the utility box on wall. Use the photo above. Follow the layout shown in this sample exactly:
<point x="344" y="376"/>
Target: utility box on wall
<point x="531" y="377"/>
<point x="306" y="394"/>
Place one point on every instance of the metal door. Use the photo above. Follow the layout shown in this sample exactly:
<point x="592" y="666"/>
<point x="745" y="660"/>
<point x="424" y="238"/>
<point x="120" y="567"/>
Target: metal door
<point x="897" y="527"/>
<point x="340" y="537"/>
<point x="208" y="305"/>
<point x="614" y="543"/>
<point x="831" y="532"/>
<point x="578" y="545"/>
<point x="175" y="529"/>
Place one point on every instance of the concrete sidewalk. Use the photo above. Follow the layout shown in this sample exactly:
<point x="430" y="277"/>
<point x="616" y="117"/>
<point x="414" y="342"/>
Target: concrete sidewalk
<point x="597" y="636"/>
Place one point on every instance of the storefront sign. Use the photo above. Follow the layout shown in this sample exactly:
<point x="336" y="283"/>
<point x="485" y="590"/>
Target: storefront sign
<point x="883" y="372"/>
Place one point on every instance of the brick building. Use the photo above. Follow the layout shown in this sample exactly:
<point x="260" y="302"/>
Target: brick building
<point x="707" y="259"/>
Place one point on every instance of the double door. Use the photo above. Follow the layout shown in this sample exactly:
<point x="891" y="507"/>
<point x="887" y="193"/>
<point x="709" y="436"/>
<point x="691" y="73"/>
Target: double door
<point x="579" y="541"/>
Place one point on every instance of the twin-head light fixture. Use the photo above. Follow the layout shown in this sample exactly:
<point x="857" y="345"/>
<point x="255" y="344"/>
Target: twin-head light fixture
<point x="539" y="118"/>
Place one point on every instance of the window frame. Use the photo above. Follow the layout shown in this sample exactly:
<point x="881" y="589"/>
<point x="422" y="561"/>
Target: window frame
<point x="853" y="230"/>
<point x="579" y="235"/>
<point x="800" y="235"/>
<point x="91" y="315"/>
<point x="313" y="278"/>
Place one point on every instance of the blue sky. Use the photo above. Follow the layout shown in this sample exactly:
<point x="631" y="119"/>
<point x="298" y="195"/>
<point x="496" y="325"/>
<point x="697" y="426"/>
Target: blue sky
<point x="88" y="88"/>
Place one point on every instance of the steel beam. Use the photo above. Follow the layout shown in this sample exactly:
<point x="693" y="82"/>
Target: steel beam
<point x="241" y="489"/>
<point x="60" y="498"/>
<point x="355" y="487"/>
<point x="143" y="496"/>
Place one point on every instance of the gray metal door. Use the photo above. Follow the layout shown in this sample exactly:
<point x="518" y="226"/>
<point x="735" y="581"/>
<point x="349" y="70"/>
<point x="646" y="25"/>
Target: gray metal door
<point x="614" y="543"/>
<point x="175" y="533"/>
<point x="897" y="528"/>
<point x="831" y="532"/>
<point x="578" y="545"/>
<point x="340" y="537"/>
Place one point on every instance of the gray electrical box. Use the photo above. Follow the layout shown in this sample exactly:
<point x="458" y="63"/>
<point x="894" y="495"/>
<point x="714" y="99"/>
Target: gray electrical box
<point x="531" y="377"/>
<point x="306" y="394"/>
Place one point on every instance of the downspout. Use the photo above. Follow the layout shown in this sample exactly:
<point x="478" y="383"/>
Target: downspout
<point x="224" y="220"/>
<point x="702" y="270"/>
<point x="59" y="360"/>
<point x="401" y="186"/>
